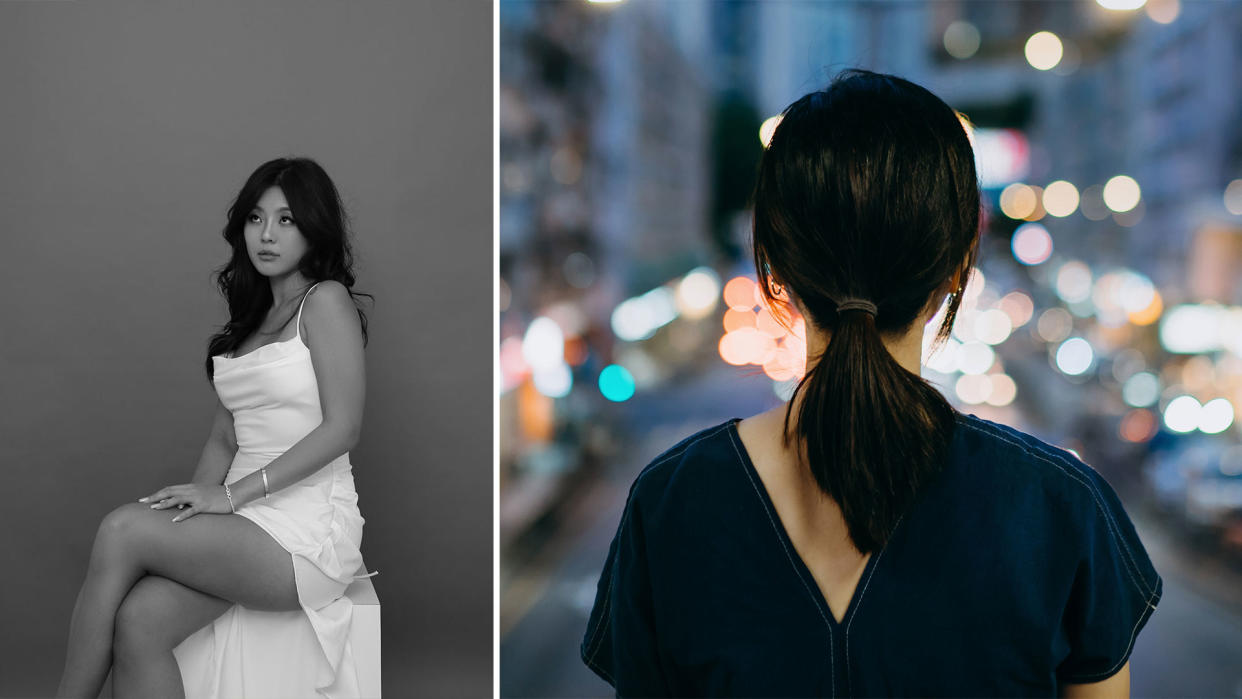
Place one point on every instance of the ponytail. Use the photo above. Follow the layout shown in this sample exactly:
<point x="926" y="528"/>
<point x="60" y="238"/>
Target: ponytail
<point x="872" y="432"/>
<point x="867" y="187"/>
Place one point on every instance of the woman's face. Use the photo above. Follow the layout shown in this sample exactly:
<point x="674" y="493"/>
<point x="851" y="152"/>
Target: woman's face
<point x="273" y="241"/>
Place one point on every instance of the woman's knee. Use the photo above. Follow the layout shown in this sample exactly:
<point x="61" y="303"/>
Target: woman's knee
<point x="120" y="531"/>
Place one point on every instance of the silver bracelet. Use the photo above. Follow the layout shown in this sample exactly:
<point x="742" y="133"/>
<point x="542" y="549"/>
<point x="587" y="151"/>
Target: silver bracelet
<point x="229" y="495"/>
<point x="264" y="472"/>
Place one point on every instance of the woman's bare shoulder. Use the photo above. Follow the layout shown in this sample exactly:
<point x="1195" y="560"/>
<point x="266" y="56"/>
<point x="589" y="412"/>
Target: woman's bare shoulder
<point x="329" y="305"/>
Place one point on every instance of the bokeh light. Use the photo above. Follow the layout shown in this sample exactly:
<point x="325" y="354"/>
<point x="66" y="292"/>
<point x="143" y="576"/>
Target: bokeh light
<point x="1054" y="325"/>
<point x="1121" y="4"/>
<point x="1018" y="306"/>
<point x="1031" y="244"/>
<point x="739" y="293"/>
<point x="975" y="358"/>
<point x="1163" y="11"/>
<point x="1075" y="356"/>
<point x="697" y="293"/>
<point x="973" y="389"/>
<point x="638" y="318"/>
<point x="1073" y="282"/>
<point x="1121" y="193"/>
<point x="1060" y="199"/>
<point x="1182" y="414"/>
<point x="961" y="39"/>
<point x="993" y="326"/>
<point x="1138" y="425"/>
<point x="1004" y="390"/>
<point x="616" y="383"/>
<point x="1018" y="201"/>
<point x="735" y="318"/>
<point x="1216" y="416"/>
<point x="1151" y="313"/>
<point x="768" y="128"/>
<point x="553" y="381"/>
<point x="1233" y="197"/>
<point x="1044" y="50"/>
<point x="1141" y="390"/>
<point x="543" y="346"/>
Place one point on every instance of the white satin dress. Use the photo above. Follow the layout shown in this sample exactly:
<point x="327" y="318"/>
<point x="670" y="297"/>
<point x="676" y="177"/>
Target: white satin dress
<point x="274" y="398"/>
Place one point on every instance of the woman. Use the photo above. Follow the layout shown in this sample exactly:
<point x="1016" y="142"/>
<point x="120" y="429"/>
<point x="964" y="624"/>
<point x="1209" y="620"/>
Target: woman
<point x="867" y="539"/>
<point x="269" y="522"/>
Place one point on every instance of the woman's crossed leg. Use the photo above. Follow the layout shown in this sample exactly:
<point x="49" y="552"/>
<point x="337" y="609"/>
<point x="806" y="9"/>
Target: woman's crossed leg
<point x="152" y="582"/>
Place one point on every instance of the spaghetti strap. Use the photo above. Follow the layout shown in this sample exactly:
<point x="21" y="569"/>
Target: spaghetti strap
<point x="297" y="326"/>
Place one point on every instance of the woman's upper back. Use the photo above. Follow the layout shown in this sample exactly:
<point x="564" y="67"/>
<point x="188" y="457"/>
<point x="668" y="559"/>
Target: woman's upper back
<point x="1016" y="570"/>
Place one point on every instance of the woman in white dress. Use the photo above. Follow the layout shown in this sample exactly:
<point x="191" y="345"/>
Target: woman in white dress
<point x="269" y="521"/>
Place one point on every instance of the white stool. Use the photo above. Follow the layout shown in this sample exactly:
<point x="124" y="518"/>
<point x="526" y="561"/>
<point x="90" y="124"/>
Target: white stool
<point x="364" y="634"/>
<point x="273" y="646"/>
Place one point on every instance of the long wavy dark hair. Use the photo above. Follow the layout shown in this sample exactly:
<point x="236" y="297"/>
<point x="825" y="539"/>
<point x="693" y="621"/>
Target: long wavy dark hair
<point x="868" y="190"/>
<point x="321" y="218"/>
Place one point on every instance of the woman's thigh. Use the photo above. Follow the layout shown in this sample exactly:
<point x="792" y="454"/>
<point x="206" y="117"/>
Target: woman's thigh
<point x="163" y="608"/>
<point x="226" y="556"/>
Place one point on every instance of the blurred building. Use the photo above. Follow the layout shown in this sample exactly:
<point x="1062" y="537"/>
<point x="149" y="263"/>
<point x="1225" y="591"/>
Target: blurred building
<point x="604" y="121"/>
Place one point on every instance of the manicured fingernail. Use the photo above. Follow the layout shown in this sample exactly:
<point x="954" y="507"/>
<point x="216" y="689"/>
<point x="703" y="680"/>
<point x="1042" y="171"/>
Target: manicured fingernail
<point x="176" y="519"/>
<point x="142" y="499"/>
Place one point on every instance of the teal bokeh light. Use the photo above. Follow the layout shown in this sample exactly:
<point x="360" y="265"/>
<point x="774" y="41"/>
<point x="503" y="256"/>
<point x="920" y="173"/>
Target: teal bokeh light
<point x="616" y="383"/>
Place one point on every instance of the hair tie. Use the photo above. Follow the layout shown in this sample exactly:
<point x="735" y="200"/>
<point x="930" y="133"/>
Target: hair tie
<point x="851" y="304"/>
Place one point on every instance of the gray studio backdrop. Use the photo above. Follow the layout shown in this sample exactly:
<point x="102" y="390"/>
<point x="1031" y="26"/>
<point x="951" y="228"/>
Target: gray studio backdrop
<point x="125" y="130"/>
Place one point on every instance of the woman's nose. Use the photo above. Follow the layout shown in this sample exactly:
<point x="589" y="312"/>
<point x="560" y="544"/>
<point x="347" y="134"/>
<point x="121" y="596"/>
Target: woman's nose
<point x="266" y="236"/>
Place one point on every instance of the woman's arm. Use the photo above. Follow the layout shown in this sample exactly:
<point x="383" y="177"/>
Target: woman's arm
<point x="334" y="336"/>
<point x="219" y="450"/>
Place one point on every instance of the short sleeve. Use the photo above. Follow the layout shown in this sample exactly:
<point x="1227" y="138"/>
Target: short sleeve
<point x="1115" y="587"/>
<point x="620" y="644"/>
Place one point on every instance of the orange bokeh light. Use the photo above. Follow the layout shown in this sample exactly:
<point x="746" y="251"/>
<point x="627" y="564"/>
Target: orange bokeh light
<point x="768" y="324"/>
<point x="740" y="293"/>
<point x="735" y="319"/>
<point x="1151" y="314"/>
<point x="1138" y="425"/>
<point x="781" y="366"/>
<point x="743" y="346"/>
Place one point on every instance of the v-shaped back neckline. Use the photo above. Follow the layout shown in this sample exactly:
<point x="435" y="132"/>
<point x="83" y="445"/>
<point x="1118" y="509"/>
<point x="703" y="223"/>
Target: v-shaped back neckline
<point x="799" y="565"/>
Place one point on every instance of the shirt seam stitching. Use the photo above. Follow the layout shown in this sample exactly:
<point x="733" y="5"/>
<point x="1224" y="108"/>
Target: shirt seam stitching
<point x="597" y="638"/>
<point x="789" y="557"/>
<point x="1128" y="558"/>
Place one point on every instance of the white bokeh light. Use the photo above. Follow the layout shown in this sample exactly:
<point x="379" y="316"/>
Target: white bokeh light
<point x="1074" y="356"/>
<point x="543" y="346"/>
<point x="1182" y="414"/>
<point x="1141" y="389"/>
<point x="1216" y="416"/>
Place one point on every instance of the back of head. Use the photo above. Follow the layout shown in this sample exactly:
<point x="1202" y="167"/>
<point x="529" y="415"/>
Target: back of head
<point x="867" y="190"/>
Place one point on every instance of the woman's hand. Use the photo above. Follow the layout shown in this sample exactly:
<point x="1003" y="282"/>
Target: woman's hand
<point x="191" y="498"/>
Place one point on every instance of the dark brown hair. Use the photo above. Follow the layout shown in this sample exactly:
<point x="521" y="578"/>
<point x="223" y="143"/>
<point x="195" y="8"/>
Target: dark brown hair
<point x="868" y="190"/>
<point x="316" y="206"/>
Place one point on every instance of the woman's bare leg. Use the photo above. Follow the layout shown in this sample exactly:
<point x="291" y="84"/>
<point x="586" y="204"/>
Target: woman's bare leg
<point x="226" y="556"/>
<point x="156" y="616"/>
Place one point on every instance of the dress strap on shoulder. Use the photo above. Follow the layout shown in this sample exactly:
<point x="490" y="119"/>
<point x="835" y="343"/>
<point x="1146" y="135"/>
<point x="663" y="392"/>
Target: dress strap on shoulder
<point x="297" y="326"/>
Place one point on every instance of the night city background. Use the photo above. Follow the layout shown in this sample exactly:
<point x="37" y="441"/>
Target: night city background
<point x="1104" y="315"/>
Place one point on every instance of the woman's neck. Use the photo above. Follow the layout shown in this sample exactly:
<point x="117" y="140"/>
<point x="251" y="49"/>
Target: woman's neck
<point x="287" y="287"/>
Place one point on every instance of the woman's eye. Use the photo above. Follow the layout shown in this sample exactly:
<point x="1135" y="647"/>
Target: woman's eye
<point x="286" y="220"/>
<point x="253" y="218"/>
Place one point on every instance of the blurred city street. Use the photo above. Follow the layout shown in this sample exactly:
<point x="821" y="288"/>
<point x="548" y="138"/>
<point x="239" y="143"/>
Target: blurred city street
<point x="1103" y="315"/>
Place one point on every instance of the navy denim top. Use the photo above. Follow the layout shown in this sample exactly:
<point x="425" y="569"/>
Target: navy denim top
<point x="1016" y="570"/>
